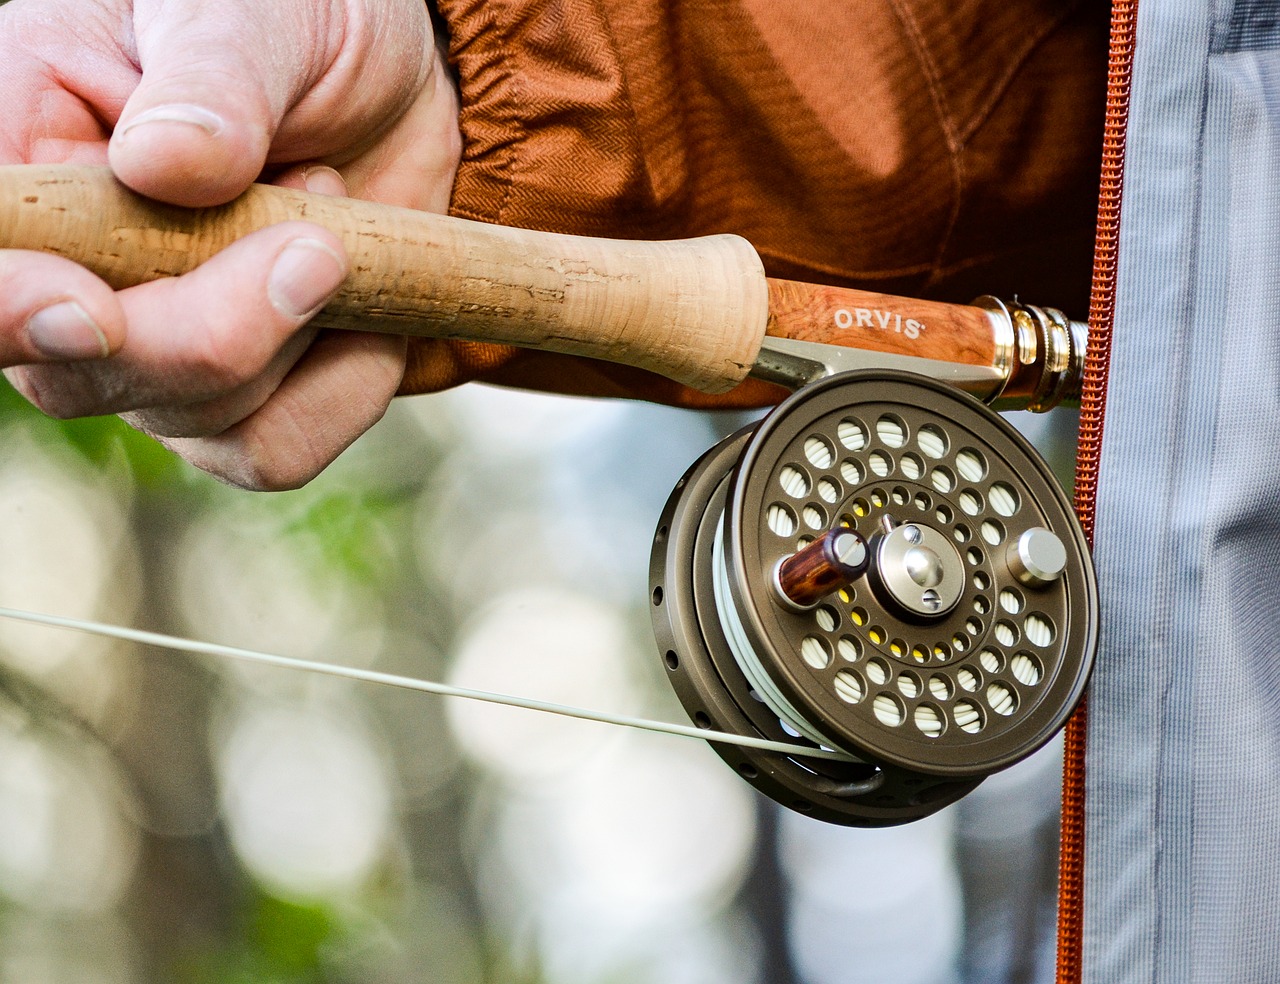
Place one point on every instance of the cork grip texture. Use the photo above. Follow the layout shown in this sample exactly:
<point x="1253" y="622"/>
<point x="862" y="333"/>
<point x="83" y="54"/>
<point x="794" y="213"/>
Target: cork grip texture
<point x="691" y="310"/>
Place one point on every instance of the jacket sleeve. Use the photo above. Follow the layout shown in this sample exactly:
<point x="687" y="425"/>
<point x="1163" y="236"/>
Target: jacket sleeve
<point x="919" y="147"/>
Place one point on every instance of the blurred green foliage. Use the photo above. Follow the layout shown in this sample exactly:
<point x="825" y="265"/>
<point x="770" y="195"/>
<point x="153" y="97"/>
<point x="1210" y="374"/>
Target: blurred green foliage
<point x="101" y="441"/>
<point x="340" y="527"/>
<point x="348" y="531"/>
<point x="348" y="526"/>
<point x="278" y="942"/>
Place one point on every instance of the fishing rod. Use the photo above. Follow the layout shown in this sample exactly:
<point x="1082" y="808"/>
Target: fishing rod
<point x="882" y="570"/>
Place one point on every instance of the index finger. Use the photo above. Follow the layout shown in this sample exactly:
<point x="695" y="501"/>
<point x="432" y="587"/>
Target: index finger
<point x="215" y="85"/>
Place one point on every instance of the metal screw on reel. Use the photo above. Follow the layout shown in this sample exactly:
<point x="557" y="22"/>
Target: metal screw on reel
<point x="957" y="644"/>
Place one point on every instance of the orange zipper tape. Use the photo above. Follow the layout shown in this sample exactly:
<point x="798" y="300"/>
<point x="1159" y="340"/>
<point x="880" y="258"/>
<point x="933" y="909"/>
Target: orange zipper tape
<point x="1124" y="15"/>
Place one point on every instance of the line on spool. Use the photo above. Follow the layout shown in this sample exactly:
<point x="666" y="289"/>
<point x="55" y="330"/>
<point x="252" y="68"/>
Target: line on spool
<point x="747" y="658"/>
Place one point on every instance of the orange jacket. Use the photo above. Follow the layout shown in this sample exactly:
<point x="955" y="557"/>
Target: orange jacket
<point x="932" y="148"/>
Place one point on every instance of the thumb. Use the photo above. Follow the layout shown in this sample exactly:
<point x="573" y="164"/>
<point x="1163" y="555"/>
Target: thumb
<point x="216" y="81"/>
<point x="52" y="310"/>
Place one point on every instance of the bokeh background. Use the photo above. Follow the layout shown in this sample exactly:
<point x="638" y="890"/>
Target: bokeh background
<point x="169" y="818"/>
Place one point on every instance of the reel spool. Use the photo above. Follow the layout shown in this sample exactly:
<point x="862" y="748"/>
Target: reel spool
<point x="885" y="568"/>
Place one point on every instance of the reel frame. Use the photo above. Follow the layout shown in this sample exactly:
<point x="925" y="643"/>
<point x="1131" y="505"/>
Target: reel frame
<point x="891" y="684"/>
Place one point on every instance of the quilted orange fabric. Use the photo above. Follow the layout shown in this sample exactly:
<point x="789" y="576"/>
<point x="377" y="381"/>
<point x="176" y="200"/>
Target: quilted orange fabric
<point x="933" y="148"/>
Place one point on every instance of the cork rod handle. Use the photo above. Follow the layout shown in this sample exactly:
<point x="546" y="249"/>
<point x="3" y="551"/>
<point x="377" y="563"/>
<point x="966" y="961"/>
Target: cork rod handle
<point x="692" y="310"/>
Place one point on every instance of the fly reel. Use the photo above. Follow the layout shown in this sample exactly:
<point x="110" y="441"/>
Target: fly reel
<point x="885" y="568"/>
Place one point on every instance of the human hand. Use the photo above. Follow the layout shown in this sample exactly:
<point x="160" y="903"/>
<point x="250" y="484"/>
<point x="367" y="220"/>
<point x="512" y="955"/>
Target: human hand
<point x="189" y="103"/>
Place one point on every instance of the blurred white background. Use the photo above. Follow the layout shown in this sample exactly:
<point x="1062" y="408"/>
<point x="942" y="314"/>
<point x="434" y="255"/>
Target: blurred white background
<point x="166" y="818"/>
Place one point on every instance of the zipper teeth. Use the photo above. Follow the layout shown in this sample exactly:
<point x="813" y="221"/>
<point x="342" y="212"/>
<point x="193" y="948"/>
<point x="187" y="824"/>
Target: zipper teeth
<point x="1124" y="15"/>
<point x="1106" y="254"/>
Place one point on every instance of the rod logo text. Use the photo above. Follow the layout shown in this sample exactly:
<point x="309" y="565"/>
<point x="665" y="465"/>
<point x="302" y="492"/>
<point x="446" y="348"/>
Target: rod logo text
<point x="846" y="318"/>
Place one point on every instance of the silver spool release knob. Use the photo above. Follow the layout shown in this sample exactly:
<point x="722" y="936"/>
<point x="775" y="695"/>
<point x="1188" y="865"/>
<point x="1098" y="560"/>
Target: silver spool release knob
<point x="920" y="569"/>
<point x="1037" y="558"/>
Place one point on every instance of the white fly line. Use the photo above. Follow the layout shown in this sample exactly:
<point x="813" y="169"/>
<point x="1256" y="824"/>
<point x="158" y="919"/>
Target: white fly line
<point x="179" y="644"/>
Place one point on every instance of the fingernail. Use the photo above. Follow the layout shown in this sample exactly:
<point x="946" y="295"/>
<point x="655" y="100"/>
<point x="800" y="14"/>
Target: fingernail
<point x="323" y="180"/>
<point x="305" y="274"/>
<point x="65" y="331"/>
<point x="191" y="115"/>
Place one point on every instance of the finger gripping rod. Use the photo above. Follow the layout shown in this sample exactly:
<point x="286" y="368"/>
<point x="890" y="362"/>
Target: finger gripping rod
<point x="699" y="311"/>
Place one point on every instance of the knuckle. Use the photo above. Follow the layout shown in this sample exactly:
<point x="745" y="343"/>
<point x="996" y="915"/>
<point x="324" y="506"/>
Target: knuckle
<point x="274" y="476"/>
<point x="292" y="437"/>
<point x="242" y="461"/>
<point x="234" y="352"/>
<point x="277" y="455"/>
<point x="224" y="358"/>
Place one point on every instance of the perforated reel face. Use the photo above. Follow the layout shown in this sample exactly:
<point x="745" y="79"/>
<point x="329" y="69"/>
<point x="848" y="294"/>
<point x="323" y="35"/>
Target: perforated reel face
<point x="956" y="654"/>
<point x="930" y="675"/>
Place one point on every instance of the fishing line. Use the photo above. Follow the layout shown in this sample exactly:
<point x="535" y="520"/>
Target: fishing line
<point x="180" y="644"/>
<point x="747" y="658"/>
